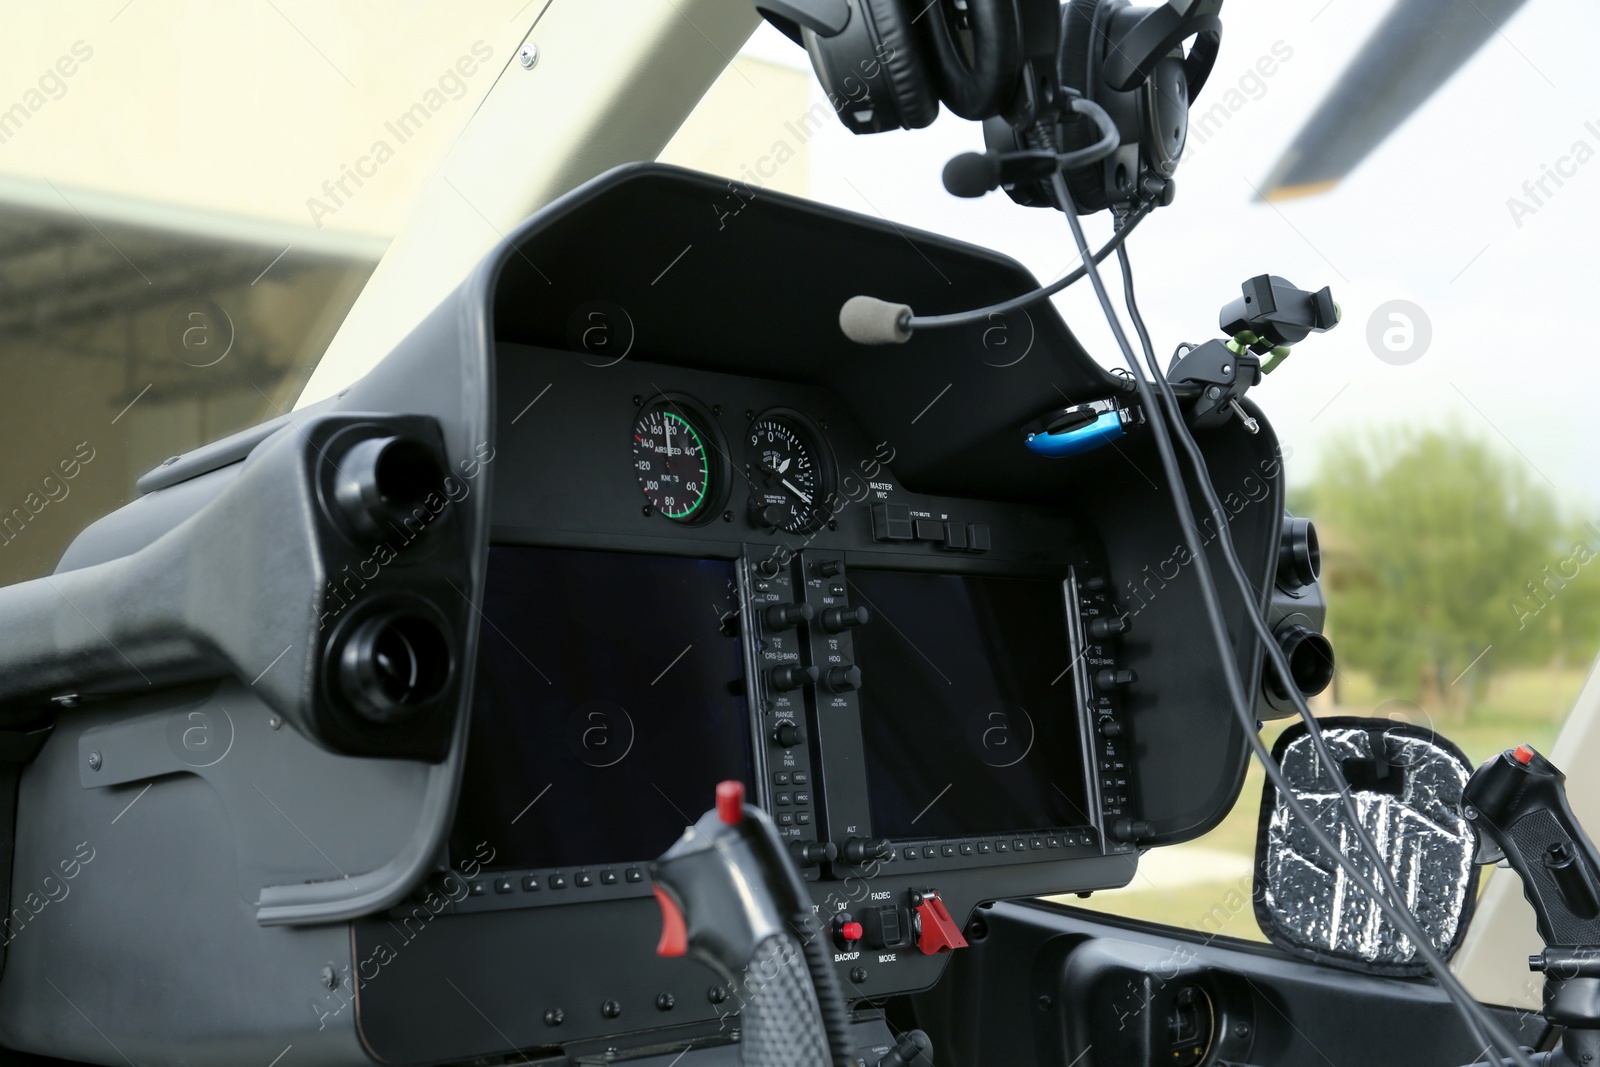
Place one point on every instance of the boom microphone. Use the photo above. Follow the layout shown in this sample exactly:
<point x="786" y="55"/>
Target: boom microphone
<point x="866" y="320"/>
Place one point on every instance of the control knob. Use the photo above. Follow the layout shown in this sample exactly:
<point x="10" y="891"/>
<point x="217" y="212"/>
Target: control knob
<point x="830" y="568"/>
<point x="788" y="733"/>
<point x="844" y="679"/>
<point x="787" y="676"/>
<point x="838" y="620"/>
<point x="813" y="853"/>
<point x="770" y="516"/>
<point x="1106" y="678"/>
<point x="1126" y="829"/>
<point x="786" y="616"/>
<point x="861" y="849"/>
<point x="1108" y="626"/>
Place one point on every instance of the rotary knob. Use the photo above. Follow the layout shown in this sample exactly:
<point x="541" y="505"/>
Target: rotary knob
<point x="844" y="679"/>
<point x="789" y="734"/>
<point x="838" y="620"/>
<point x="786" y="616"/>
<point x="813" y="853"/>
<point x="859" y="849"/>
<point x="1108" y="626"/>
<point x="1107" y="678"/>
<point x="789" y="676"/>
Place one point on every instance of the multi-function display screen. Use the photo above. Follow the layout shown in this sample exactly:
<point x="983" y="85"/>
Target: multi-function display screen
<point x="967" y="705"/>
<point x="609" y="705"/>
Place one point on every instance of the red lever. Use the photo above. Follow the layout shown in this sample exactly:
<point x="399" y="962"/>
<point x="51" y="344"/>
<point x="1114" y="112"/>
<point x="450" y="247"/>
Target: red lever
<point x="730" y="802"/>
<point x="674" y="932"/>
<point x="939" y="931"/>
<point x="1523" y="754"/>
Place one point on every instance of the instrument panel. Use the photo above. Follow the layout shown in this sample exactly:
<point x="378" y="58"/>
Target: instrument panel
<point x="741" y="588"/>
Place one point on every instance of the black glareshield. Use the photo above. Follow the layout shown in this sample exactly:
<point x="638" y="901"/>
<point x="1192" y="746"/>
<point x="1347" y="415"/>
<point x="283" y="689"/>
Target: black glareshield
<point x="731" y="897"/>
<point x="1518" y="802"/>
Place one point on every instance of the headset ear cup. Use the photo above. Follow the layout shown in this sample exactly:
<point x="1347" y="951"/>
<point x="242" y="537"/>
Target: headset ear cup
<point x="904" y="70"/>
<point x="872" y="72"/>
<point x="982" y="88"/>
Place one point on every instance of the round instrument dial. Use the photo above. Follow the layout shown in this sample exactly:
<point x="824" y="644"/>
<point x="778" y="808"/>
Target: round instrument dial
<point x="670" y="454"/>
<point x="791" y="473"/>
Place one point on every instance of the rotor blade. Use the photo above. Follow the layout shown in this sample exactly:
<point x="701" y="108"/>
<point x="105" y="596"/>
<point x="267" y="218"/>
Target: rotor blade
<point x="1416" y="49"/>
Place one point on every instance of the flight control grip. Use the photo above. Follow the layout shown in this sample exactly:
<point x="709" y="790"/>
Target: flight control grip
<point x="1518" y="801"/>
<point x="731" y="896"/>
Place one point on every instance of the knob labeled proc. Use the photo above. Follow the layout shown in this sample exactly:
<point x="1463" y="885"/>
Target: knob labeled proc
<point x="844" y="679"/>
<point x="786" y="616"/>
<point x="838" y="620"/>
<point x="1109" y="626"/>
<point x="789" y="734"/>
<point x="1107" y="678"/>
<point x="788" y="676"/>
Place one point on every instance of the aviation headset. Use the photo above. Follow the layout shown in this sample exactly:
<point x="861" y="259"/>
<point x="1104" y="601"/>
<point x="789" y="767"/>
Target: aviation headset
<point x="889" y="64"/>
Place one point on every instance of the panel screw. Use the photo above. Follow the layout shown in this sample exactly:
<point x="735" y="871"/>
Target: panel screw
<point x="330" y="977"/>
<point x="611" y="1009"/>
<point x="716" y="994"/>
<point x="528" y="56"/>
<point x="648" y="511"/>
<point x="727" y="516"/>
<point x="95" y="761"/>
<point x="1046" y="1002"/>
<point x="554" y="1017"/>
<point x="1241" y="1030"/>
<point x="665" y="1002"/>
<point x="275" y="722"/>
<point x="858" y="975"/>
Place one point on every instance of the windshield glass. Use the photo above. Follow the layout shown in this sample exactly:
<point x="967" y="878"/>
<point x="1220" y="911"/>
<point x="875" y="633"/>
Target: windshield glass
<point x="191" y="197"/>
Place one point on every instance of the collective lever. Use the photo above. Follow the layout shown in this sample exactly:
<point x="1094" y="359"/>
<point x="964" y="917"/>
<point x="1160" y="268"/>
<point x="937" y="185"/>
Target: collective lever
<point x="731" y="896"/>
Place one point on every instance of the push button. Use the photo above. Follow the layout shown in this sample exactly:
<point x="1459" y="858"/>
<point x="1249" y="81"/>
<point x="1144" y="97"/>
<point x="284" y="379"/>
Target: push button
<point x="891" y="522"/>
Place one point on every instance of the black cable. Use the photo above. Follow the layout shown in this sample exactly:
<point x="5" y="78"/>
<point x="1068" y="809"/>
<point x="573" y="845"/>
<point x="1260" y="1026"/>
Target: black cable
<point x="1110" y="136"/>
<point x="1476" y="1017"/>
<point x="961" y="318"/>
<point x="1241" y="705"/>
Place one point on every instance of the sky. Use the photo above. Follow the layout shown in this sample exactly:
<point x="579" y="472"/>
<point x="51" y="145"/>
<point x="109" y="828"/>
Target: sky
<point x="1424" y="219"/>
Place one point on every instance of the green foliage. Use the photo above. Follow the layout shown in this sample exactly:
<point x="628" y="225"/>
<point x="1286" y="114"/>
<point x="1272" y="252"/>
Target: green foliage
<point x="1436" y="547"/>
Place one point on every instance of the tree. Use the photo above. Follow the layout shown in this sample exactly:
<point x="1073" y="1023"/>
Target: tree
<point x="1443" y="554"/>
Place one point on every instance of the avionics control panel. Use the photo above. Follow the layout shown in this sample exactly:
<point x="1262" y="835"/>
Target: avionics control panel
<point x="698" y="576"/>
